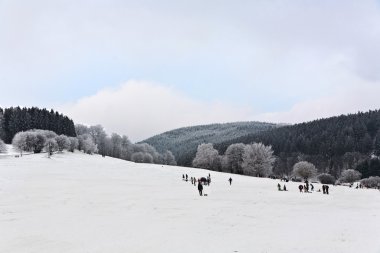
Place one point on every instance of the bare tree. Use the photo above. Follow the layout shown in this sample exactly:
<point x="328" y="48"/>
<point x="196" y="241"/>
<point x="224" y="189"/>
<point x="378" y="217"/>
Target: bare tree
<point x="304" y="170"/>
<point x="258" y="160"/>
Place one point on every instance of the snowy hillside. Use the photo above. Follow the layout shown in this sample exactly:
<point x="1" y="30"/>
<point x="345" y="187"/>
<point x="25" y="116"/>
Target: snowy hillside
<point x="76" y="203"/>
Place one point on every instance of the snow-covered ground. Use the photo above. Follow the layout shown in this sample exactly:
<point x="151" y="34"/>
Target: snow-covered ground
<point x="81" y="203"/>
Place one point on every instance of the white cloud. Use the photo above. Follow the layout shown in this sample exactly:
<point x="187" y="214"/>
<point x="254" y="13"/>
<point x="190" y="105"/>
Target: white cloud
<point x="141" y="109"/>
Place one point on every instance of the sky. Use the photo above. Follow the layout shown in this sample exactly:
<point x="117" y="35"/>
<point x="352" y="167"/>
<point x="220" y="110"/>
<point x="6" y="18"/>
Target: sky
<point x="144" y="67"/>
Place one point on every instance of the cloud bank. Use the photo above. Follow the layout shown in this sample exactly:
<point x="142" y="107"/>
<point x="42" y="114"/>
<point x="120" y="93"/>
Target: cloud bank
<point x="140" y="109"/>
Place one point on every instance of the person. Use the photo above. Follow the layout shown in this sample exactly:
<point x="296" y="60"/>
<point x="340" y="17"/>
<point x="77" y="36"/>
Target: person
<point x="279" y="186"/>
<point x="183" y="177"/>
<point x="327" y="189"/>
<point x="300" y="187"/>
<point x="200" y="188"/>
<point x="306" y="186"/>
<point x="324" y="189"/>
<point x="285" y="187"/>
<point x="187" y="177"/>
<point x="230" y="180"/>
<point x="191" y="180"/>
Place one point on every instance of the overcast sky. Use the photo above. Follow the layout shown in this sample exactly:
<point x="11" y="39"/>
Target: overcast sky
<point x="144" y="67"/>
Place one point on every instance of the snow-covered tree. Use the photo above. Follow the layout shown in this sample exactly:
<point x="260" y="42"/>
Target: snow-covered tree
<point x="326" y="178"/>
<point x="39" y="141"/>
<point x="19" y="142"/>
<point x="371" y="182"/>
<point x="51" y="146"/>
<point x="3" y="148"/>
<point x="258" y="160"/>
<point x="350" y="176"/>
<point x="63" y="142"/>
<point x="74" y="143"/>
<point x="234" y="157"/>
<point x="168" y="158"/>
<point x="206" y="157"/>
<point x="304" y="170"/>
<point x="141" y="157"/>
<point x="87" y="144"/>
<point x="116" y="141"/>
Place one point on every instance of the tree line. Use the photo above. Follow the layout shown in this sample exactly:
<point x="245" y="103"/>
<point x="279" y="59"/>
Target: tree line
<point x="183" y="142"/>
<point x="16" y="119"/>
<point x="35" y="130"/>
<point x="258" y="160"/>
<point x="121" y="147"/>
<point x="333" y="145"/>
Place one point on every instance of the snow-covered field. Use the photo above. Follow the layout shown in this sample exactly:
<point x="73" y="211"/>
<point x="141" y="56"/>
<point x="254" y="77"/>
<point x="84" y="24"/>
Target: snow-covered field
<point x="81" y="203"/>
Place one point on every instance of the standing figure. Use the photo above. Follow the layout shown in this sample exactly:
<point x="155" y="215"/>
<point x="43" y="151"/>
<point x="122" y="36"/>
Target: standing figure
<point x="279" y="186"/>
<point x="230" y="180"/>
<point x="285" y="187"/>
<point x="324" y="189"/>
<point x="200" y="188"/>
<point x="187" y="177"/>
<point x="327" y="189"/>
<point x="183" y="177"/>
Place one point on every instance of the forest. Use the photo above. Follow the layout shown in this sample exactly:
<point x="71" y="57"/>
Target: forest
<point x="16" y="119"/>
<point x="183" y="142"/>
<point x="333" y="145"/>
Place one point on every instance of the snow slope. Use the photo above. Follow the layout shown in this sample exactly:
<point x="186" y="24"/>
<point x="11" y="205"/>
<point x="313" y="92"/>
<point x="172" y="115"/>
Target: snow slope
<point x="76" y="203"/>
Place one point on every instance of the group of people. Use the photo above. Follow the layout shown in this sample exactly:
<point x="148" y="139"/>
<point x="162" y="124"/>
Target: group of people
<point x="200" y="181"/>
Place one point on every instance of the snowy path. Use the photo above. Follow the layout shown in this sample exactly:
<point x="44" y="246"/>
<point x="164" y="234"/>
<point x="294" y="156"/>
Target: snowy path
<point x="76" y="203"/>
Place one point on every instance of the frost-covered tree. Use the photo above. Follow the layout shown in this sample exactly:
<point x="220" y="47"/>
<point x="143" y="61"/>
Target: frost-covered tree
<point x="98" y="135"/>
<point x="168" y="158"/>
<point x="126" y="148"/>
<point x="74" y="143"/>
<point x="51" y="146"/>
<point x="87" y="144"/>
<point x="19" y="142"/>
<point x="141" y="157"/>
<point x="206" y="157"/>
<point x="258" y="160"/>
<point x="326" y="178"/>
<point x="3" y="148"/>
<point x="371" y="182"/>
<point x="116" y="141"/>
<point x="234" y="157"/>
<point x="63" y="142"/>
<point x="304" y="170"/>
<point x="39" y="141"/>
<point x="350" y="176"/>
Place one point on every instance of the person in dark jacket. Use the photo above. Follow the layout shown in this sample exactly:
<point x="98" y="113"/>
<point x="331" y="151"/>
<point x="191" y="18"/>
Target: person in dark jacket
<point x="324" y="189"/>
<point x="327" y="189"/>
<point x="230" y="180"/>
<point x="200" y="188"/>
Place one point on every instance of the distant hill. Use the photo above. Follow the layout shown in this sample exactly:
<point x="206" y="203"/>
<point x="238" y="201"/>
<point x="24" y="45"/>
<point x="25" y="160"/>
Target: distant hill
<point x="332" y="144"/>
<point x="183" y="142"/>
